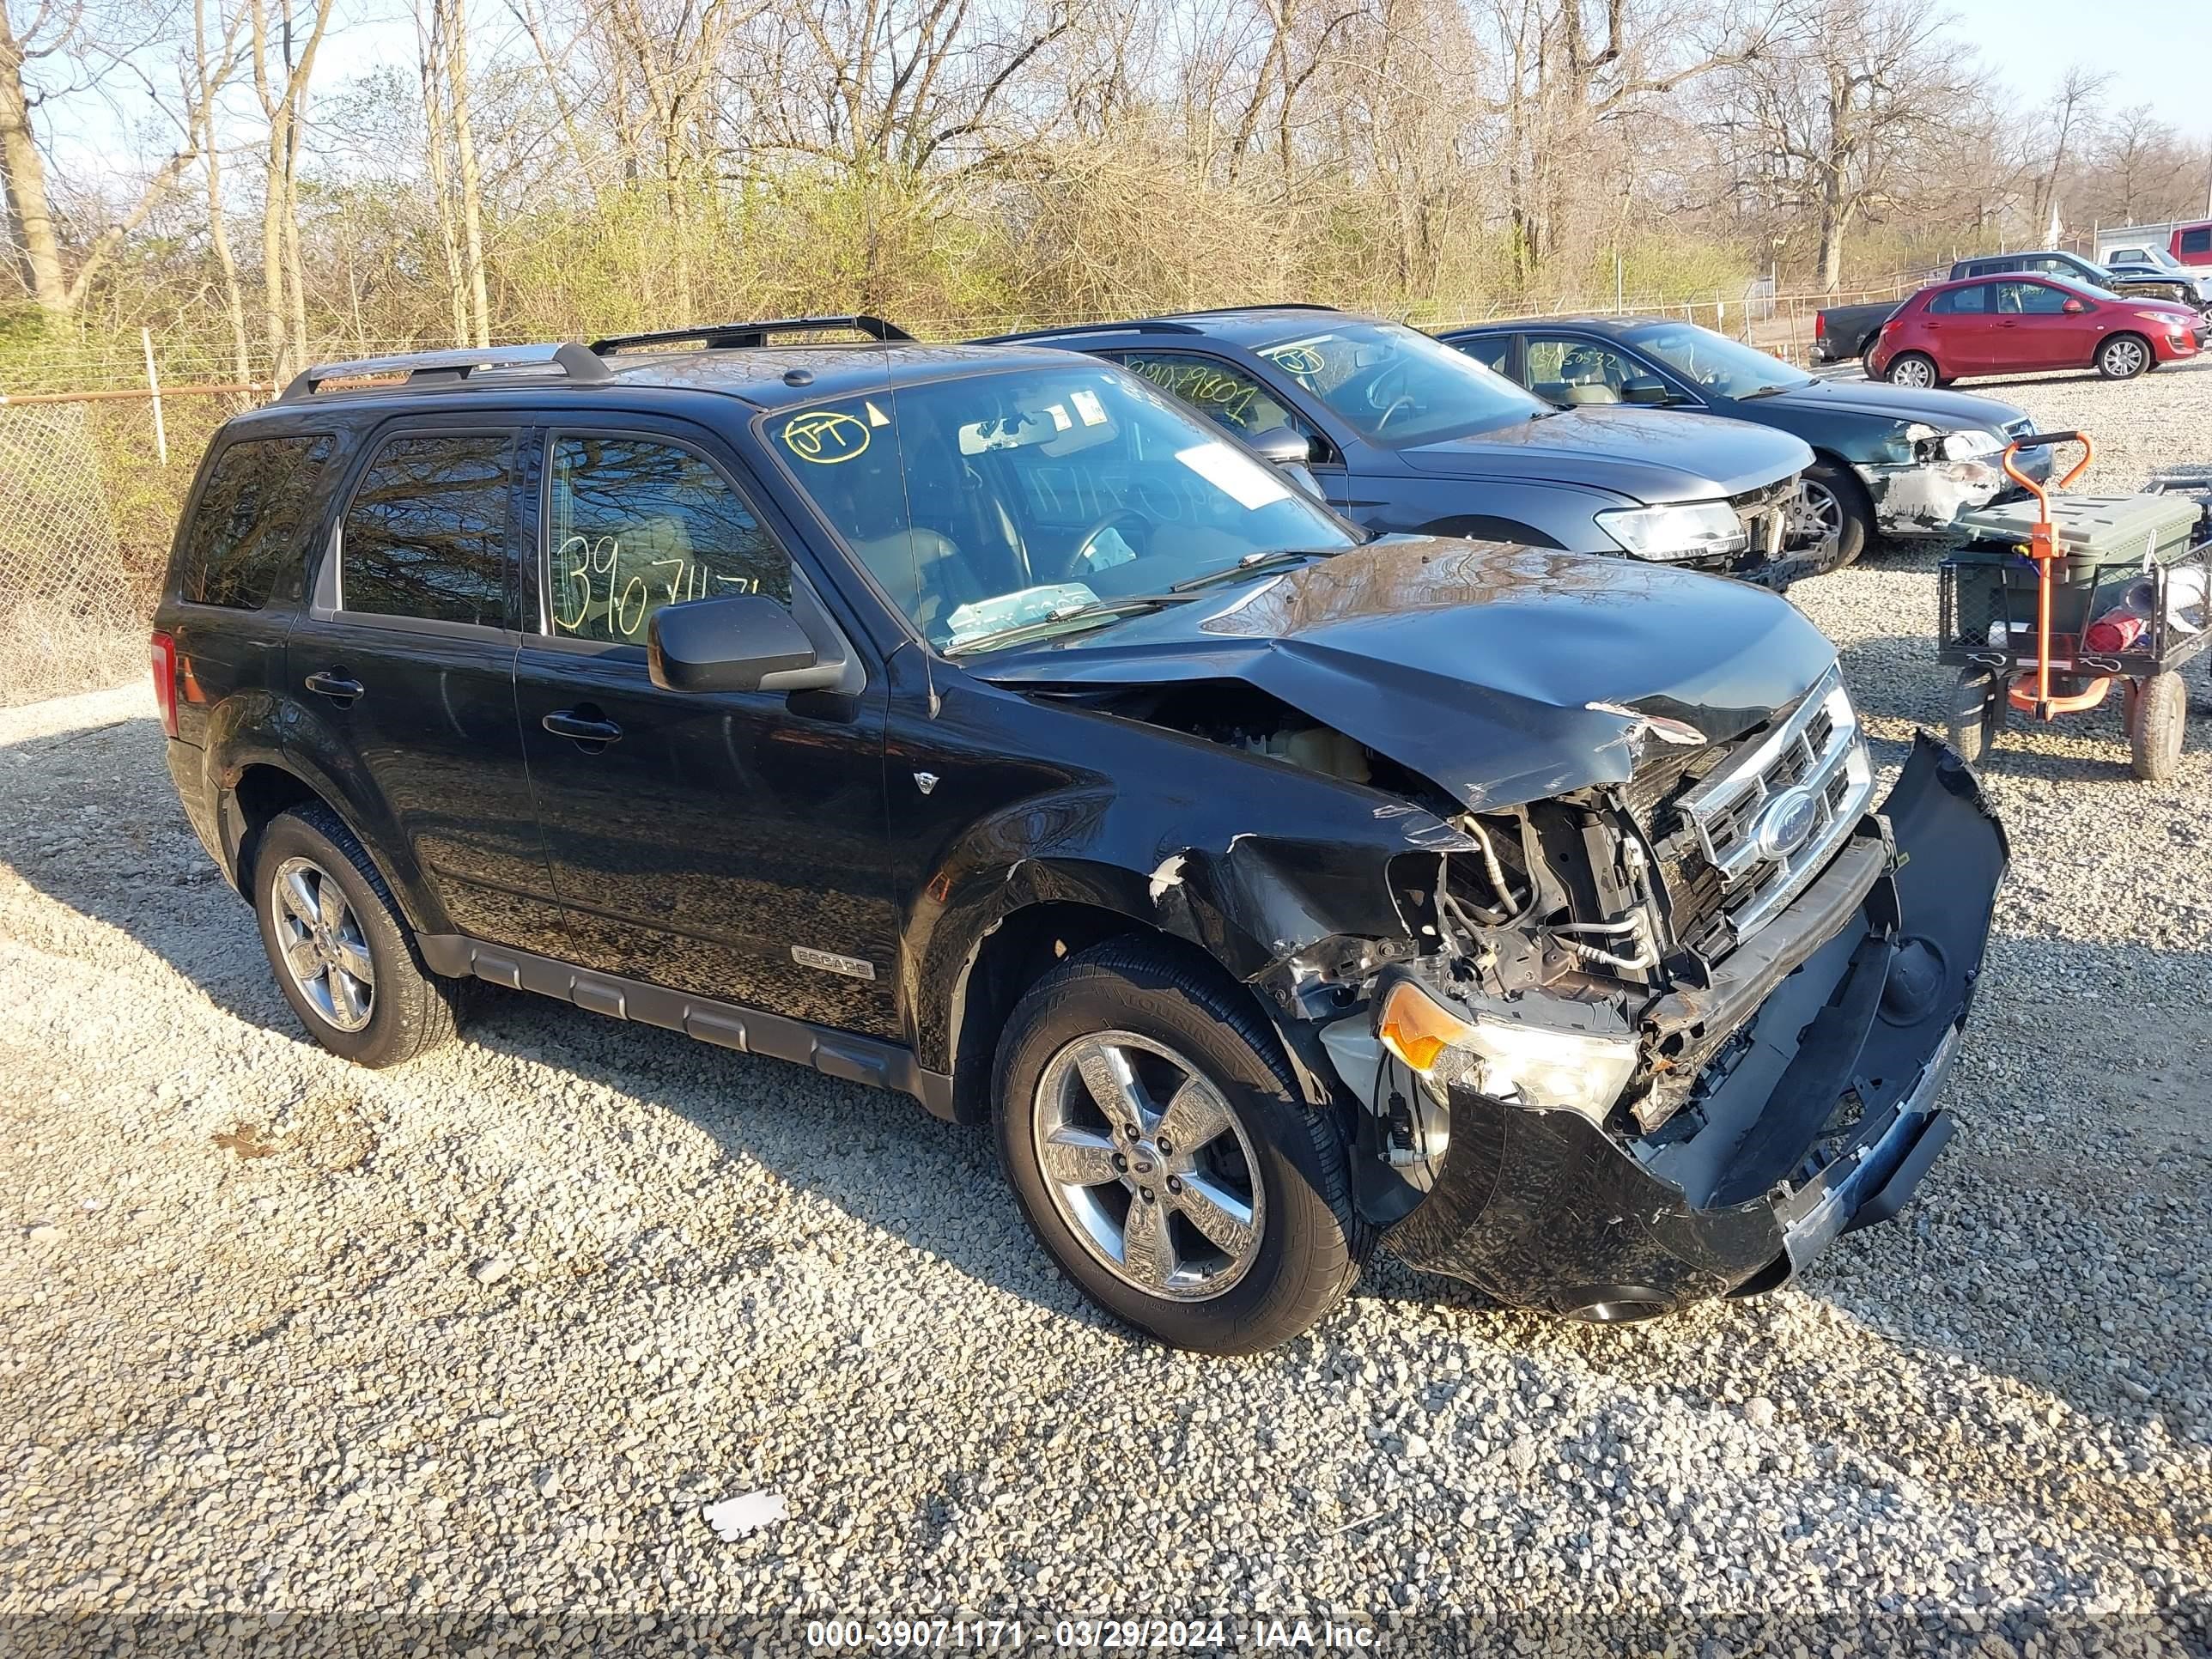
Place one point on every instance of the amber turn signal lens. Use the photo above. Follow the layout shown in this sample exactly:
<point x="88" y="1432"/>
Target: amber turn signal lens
<point x="1415" y="1029"/>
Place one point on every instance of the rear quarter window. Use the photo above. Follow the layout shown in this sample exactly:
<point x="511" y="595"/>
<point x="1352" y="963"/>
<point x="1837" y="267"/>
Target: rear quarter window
<point x="251" y="522"/>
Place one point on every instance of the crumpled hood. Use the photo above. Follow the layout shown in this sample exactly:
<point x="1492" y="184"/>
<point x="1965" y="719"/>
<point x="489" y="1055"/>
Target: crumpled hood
<point x="1648" y="455"/>
<point x="1470" y="663"/>
<point x="1949" y="411"/>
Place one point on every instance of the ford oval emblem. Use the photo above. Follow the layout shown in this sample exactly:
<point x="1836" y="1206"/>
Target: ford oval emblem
<point x="1785" y="824"/>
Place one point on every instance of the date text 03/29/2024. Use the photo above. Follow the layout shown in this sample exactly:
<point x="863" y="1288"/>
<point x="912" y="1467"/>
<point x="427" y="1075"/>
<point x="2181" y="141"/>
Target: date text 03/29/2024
<point x="1259" y="1634"/>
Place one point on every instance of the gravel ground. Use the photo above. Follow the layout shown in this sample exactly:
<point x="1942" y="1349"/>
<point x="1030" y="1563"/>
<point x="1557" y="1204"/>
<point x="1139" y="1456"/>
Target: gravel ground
<point x="475" y="1340"/>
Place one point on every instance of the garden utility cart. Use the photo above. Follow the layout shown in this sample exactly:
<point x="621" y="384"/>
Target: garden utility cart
<point x="2058" y="596"/>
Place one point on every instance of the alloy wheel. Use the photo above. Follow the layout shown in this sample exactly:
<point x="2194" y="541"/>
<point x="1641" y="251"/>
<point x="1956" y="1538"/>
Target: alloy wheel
<point x="1816" y="516"/>
<point x="1146" y="1163"/>
<point x="2124" y="358"/>
<point x="1912" y="372"/>
<point x="322" y="944"/>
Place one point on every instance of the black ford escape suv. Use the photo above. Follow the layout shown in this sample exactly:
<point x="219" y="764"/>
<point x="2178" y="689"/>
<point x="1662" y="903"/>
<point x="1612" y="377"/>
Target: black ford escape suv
<point x="982" y="723"/>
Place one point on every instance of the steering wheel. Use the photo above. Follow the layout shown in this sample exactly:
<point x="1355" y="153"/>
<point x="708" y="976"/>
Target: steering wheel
<point x="1072" y="565"/>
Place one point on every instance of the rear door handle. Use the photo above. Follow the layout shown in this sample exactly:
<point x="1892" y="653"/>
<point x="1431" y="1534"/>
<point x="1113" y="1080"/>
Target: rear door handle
<point x="567" y="723"/>
<point x="336" y="686"/>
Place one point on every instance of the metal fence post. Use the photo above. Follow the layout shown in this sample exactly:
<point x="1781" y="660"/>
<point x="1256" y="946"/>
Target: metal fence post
<point x="153" y="386"/>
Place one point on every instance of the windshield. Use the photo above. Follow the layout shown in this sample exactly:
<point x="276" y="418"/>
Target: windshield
<point x="2087" y="289"/>
<point x="1725" y="367"/>
<point x="1398" y="386"/>
<point x="1031" y="497"/>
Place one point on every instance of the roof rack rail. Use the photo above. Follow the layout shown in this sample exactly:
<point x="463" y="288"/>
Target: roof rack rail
<point x="455" y="368"/>
<point x="1278" y="305"/>
<point x="1145" y="325"/>
<point x="721" y="336"/>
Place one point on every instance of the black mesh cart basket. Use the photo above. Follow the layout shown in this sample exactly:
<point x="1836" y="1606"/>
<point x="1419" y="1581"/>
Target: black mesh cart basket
<point x="2059" y="598"/>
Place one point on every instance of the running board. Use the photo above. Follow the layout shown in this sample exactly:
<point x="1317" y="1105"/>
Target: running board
<point x="841" y="1054"/>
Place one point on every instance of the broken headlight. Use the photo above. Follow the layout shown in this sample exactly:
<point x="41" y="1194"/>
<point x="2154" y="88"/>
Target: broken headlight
<point x="1918" y="443"/>
<point x="1688" y="530"/>
<point x="1525" y="1064"/>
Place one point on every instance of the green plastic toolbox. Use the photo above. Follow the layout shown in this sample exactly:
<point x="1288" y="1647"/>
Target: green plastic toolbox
<point x="2104" y="540"/>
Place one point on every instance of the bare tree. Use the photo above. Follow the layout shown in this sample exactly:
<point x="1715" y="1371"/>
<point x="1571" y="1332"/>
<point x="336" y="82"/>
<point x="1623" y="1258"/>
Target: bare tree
<point x="1845" y="112"/>
<point x="284" y="45"/>
<point x="456" y="182"/>
<point x="97" y="48"/>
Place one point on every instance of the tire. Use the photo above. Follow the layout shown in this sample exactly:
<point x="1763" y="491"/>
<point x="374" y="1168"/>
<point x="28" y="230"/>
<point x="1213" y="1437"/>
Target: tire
<point x="1978" y="707"/>
<point x="2123" y="356"/>
<point x="1866" y="362"/>
<point x="1138" y="1011"/>
<point x="2161" y="708"/>
<point x="400" y="1009"/>
<point x="1834" y="495"/>
<point x="1914" y="369"/>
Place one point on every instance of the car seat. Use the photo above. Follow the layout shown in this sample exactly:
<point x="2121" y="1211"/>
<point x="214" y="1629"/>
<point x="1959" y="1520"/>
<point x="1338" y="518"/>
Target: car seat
<point x="1583" y="375"/>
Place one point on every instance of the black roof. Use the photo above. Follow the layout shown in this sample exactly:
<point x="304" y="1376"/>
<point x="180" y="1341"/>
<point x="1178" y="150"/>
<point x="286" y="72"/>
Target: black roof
<point x="1618" y="328"/>
<point x="1244" y="325"/>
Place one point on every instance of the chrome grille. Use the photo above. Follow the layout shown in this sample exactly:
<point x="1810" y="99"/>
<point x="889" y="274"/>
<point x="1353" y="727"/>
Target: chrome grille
<point x="1769" y="820"/>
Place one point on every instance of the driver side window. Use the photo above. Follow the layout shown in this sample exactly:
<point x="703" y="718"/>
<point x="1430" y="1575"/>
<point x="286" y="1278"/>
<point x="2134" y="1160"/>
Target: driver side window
<point x="1222" y="392"/>
<point x="1562" y="370"/>
<point x="634" y="525"/>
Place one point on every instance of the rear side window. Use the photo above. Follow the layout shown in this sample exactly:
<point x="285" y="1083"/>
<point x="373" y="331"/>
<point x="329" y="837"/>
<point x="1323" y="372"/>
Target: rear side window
<point x="253" y="519"/>
<point x="1491" y="350"/>
<point x="426" y="535"/>
<point x="636" y="524"/>
<point x="1971" y="300"/>
<point x="2197" y="242"/>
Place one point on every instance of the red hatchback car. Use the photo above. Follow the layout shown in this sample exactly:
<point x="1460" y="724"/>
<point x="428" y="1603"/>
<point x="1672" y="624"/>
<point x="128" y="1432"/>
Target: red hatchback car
<point x="2005" y="324"/>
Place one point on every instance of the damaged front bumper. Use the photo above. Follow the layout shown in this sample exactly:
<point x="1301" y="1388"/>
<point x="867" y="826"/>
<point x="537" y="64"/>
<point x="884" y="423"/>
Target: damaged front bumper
<point x="1820" y="1045"/>
<point x="1925" y="498"/>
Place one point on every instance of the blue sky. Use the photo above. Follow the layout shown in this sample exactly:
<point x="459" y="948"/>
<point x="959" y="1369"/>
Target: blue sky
<point x="2157" y="52"/>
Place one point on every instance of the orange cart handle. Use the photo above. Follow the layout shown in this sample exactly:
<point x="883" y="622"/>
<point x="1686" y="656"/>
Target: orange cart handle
<point x="2046" y="441"/>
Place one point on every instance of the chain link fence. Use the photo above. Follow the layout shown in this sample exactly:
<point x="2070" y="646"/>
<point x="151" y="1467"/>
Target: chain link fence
<point x="66" y="598"/>
<point x="89" y="496"/>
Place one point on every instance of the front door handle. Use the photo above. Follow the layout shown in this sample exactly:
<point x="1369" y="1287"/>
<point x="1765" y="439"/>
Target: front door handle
<point x="567" y="723"/>
<point x="334" y="685"/>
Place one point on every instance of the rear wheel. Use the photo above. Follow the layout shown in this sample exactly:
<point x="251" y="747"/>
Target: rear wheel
<point x="2157" y="712"/>
<point x="344" y="958"/>
<point x="2123" y="356"/>
<point x="1913" y="368"/>
<point x="1832" y="509"/>
<point x="1148" y="1123"/>
<point x="1978" y="706"/>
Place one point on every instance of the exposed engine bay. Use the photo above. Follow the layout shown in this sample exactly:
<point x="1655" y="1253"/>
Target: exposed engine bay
<point x="1603" y="911"/>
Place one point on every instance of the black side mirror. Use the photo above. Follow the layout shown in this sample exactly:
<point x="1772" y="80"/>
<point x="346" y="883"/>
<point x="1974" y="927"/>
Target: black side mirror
<point x="1648" y="390"/>
<point x="1281" y="446"/>
<point x="740" y="643"/>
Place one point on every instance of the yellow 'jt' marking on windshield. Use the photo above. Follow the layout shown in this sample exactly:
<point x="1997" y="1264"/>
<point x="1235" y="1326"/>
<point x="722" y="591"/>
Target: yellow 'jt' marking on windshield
<point x="824" y="437"/>
<point x="1295" y="358"/>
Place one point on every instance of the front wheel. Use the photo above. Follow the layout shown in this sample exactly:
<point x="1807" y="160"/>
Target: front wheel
<point x="1832" y="509"/>
<point x="1148" y="1122"/>
<point x="2156" y="714"/>
<point x="1978" y="706"/>
<point x="2123" y="356"/>
<point x="1914" y="369"/>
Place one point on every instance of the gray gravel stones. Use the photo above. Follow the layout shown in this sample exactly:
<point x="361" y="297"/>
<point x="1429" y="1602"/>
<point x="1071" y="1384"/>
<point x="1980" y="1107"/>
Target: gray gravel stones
<point x="269" y="1373"/>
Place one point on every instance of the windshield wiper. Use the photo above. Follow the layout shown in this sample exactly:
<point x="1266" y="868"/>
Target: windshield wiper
<point x="1256" y="561"/>
<point x="1767" y="392"/>
<point x="1099" y="611"/>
